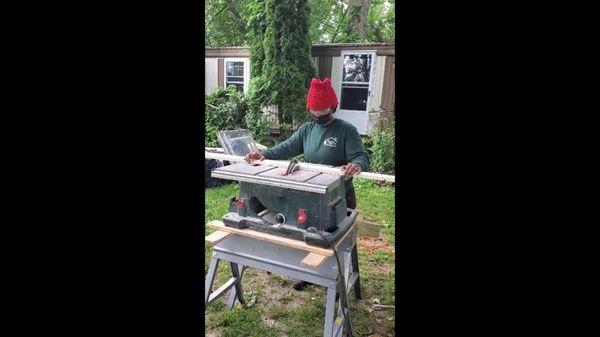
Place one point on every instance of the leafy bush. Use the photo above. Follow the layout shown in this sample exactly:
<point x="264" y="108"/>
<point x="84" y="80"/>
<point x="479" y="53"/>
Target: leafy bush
<point x="227" y="109"/>
<point x="382" y="151"/>
<point x="258" y="124"/>
<point x="368" y="144"/>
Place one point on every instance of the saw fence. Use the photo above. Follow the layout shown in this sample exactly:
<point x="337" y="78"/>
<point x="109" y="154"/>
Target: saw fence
<point x="215" y="153"/>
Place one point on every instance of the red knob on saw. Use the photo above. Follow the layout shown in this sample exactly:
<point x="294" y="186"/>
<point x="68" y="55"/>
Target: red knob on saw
<point x="302" y="216"/>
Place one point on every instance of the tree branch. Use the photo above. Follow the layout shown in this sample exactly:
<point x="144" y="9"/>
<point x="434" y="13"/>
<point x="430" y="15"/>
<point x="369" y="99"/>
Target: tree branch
<point x="217" y="14"/>
<point x="238" y="21"/>
<point x="339" y="24"/>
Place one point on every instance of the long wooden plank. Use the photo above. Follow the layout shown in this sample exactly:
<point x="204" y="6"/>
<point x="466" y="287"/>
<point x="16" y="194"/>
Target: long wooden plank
<point x="304" y="166"/>
<point x="219" y="225"/>
<point x="216" y="237"/>
<point x="313" y="260"/>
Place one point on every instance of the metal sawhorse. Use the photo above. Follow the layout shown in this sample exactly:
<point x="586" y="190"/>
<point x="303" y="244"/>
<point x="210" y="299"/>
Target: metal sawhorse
<point x="242" y="252"/>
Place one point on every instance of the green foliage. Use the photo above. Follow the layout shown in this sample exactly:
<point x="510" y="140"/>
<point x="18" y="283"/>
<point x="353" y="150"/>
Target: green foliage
<point x="382" y="21"/>
<point x="228" y="22"/>
<point x="216" y="202"/>
<point x="331" y="22"/>
<point x="368" y="144"/>
<point x="225" y="110"/>
<point x="382" y="152"/>
<point x="306" y="318"/>
<point x="280" y="56"/>
<point x="257" y="25"/>
<point x="280" y="312"/>
<point x="376" y="203"/>
<point x="244" y="322"/>
<point x="225" y="22"/>
<point x="257" y="123"/>
<point x="323" y="19"/>
<point x="286" y="129"/>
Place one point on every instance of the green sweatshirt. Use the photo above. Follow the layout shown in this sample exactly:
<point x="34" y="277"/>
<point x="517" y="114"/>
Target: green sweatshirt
<point x="335" y="144"/>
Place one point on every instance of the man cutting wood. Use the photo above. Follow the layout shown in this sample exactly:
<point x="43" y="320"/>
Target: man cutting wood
<point x="323" y="140"/>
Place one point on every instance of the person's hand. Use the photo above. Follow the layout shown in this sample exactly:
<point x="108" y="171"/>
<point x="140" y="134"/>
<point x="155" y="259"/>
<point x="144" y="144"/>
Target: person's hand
<point x="252" y="156"/>
<point x="351" y="169"/>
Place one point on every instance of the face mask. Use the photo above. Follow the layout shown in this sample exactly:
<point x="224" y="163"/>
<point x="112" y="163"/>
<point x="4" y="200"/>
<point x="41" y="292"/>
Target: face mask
<point x="321" y="119"/>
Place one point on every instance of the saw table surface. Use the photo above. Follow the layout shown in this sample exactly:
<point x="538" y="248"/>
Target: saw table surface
<point x="305" y="180"/>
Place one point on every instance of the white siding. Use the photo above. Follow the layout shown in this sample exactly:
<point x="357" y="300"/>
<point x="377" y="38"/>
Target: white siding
<point x="211" y="78"/>
<point x="376" y="93"/>
<point x="377" y="90"/>
<point x="336" y="75"/>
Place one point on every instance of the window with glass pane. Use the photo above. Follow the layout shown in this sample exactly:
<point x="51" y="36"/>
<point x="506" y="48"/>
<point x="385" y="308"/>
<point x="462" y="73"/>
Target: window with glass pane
<point x="356" y="74"/>
<point x="235" y="74"/>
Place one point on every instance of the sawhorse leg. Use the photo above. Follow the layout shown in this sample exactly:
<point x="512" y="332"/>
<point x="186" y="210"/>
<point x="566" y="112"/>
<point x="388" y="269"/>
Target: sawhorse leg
<point x="210" y="278"/>
<point x="343" y="301"/>
<point x="337" y="324"/>
<point x="234" y="283"/>
<point x="237" y="270"/>
<point x="350" y="278"/>
<point x="330" y="311"/>
<point x="356" y="272"/>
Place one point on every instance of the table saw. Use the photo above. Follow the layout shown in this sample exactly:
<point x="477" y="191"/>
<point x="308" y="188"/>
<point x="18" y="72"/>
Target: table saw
<point x="300" y="204"/>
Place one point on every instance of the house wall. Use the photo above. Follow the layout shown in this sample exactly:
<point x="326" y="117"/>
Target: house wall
<point x="375" y="99"/>
<point x="327" y="61"/>
<point x="336" y="74"/>
<point x="210" y="75"/>
<point x="388" y="96"/>
<point x="376" y="92"/>
<point x="324" y="63"/>
<point x="214" y="72"/>
<point x="221" y="73"/>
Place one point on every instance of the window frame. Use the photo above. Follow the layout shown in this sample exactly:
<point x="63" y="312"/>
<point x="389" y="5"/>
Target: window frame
<point x="245" y="63"/>
<point x="373" y="54"/>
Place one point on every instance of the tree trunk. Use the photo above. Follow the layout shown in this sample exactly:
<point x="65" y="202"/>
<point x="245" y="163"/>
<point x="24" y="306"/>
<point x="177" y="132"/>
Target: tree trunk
<point x="378" y="35"/>
<point x="357" y="22"/>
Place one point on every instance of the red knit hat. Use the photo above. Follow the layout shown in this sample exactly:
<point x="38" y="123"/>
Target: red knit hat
<point x="320" y="95"/>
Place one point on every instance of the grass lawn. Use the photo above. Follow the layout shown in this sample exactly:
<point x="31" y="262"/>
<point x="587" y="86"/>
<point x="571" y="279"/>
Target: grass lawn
<point x="274" y="308"/>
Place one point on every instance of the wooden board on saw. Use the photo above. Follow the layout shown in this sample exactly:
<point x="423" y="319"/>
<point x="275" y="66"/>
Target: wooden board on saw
<point x="219" y="225"/>
<point x="216" y="237"/>
<point x="313" y="260"/>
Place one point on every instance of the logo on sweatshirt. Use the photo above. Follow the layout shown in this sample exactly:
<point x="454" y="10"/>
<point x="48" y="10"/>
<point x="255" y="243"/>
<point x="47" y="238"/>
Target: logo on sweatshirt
<point x="331" y="142"/>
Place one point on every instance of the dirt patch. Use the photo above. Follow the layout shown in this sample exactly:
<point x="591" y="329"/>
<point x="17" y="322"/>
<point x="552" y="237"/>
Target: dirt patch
<point x="276" y="291"/>
<point x="210" y="332"/>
